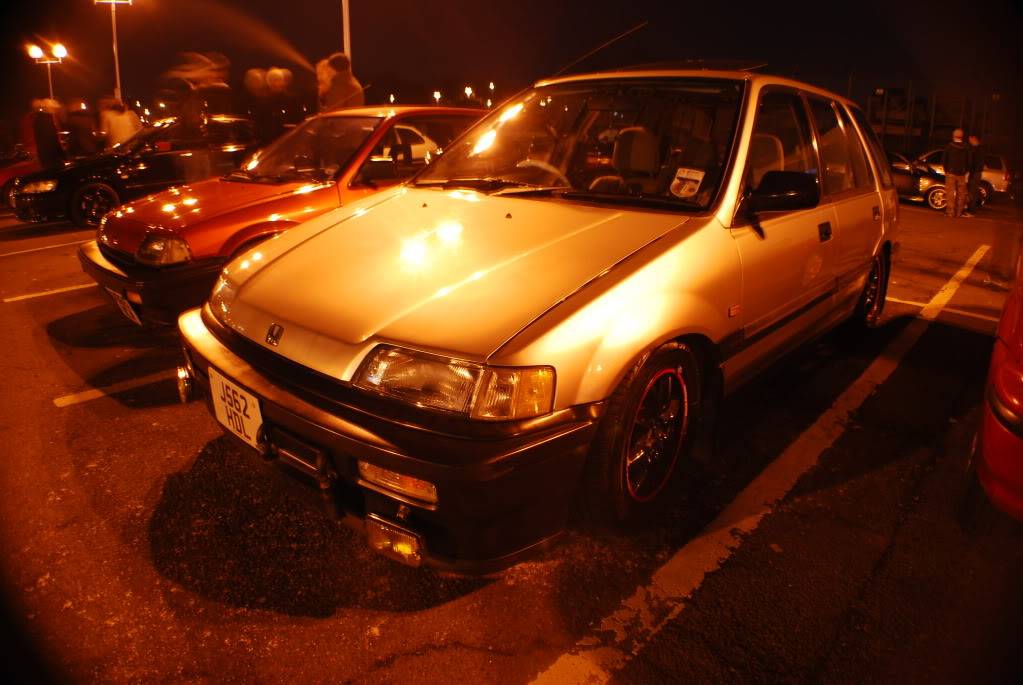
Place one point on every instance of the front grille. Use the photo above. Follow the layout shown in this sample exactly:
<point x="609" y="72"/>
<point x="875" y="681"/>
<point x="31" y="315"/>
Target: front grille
<point x="118" y="257"/>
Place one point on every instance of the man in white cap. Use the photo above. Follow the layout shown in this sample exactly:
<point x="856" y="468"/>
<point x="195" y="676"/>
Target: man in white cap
<point x="956" y="160"/>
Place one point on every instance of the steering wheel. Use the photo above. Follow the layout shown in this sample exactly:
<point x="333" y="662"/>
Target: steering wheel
<point x="549" y="168"/>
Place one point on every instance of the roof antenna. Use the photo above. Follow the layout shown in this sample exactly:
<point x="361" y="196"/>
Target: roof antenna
<point x="600" y="47"/>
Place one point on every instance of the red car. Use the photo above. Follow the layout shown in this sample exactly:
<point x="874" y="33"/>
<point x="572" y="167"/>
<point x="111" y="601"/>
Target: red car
<point x="160" y="255"/>
<point x="999" y="456"/>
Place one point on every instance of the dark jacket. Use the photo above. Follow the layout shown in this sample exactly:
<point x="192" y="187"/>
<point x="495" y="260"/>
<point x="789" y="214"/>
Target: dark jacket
<point x="956" y="159"/>
<point x="977" y="156"/>
<point x="48" y="148"/>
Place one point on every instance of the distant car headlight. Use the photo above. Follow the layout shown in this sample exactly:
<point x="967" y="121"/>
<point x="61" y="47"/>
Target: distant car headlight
<point x="39" y="186"/>
<point x="481" y="392"/>
<point x="160" y="250"/>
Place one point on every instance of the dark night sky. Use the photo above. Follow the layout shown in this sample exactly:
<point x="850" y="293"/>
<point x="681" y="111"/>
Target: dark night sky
<point x="450" y="42"/>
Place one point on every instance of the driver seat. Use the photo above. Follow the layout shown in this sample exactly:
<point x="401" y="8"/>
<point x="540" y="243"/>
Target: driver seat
<point x="635" y="158"/>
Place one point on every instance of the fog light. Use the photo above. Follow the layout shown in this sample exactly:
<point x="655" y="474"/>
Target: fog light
<point x="393" y="541"/>
<point x="398" y="482"/>
<point x="184" y="384"/>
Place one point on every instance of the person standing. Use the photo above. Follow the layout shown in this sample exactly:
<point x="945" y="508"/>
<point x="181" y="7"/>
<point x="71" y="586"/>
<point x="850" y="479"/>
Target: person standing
<point x="81" y="126"/>
<point x="336" y="85"/>
<point x="120" y="122"/>
<point x="977" y="155"/>
<point x="956" y="161"/>
<point x="44" y="132"/>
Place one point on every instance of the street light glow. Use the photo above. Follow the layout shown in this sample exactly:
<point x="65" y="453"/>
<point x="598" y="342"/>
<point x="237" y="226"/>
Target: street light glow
<point x="35" y="52"/>
<point x="59" y="51"/>
<point x="468" y="91"/>
<point x="436" y="96"/>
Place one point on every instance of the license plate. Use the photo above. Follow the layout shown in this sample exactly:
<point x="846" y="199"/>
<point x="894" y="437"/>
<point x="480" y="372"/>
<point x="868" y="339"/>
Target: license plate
<point x="236" y="409"/>
<point x="125" y="306"/>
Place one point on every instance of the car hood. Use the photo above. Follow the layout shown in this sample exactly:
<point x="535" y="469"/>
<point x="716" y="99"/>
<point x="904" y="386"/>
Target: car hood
<point x="194" y="207"/>
<point x="455" y="272"/>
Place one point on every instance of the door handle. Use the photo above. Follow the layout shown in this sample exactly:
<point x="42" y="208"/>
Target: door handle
<point x="877" y="213"/>
<point x="824" y="231"/>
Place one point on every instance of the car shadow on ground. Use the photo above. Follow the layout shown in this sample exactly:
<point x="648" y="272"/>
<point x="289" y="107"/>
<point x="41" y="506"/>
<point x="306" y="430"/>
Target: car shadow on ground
<point x="20" y="231"/>
<point x="225" y="531"/>
<point x="754" y="426"/>
<point x="104" y="326"/>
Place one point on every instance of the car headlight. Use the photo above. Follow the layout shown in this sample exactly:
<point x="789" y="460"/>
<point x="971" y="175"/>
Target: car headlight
<point x="481" y="392"/>
<point x="160" y="250"/>
<point x="39" y="186"/>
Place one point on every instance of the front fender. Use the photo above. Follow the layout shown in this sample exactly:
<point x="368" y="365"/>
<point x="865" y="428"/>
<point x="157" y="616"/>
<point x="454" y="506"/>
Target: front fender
<point x="261" y="230"/>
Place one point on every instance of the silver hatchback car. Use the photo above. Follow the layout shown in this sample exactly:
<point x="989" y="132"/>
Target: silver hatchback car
<point x="549" y="310"/>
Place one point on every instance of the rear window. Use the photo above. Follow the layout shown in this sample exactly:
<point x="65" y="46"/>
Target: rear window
<point x="874" y="146"/>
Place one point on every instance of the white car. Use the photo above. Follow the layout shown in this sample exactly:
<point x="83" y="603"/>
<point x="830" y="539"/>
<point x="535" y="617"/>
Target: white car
<point x="553" y="308"/>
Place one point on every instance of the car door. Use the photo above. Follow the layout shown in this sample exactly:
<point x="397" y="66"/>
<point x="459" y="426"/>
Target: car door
<point x="848" y="185"/>
<point x="787" y="257"/>
<point x="903" y="175"/>
<point x="176" y="156"/>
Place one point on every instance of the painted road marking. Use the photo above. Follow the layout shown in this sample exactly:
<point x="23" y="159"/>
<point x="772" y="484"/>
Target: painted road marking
<point x="39" y="249"/>
<point x="44" y="293"/>
<point x="949" y="310"/>
<point x="96" y="393"/>
<point x="621" y="635"/>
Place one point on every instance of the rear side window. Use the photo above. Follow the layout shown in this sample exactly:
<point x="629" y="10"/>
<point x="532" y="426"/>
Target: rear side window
<point x="844" y="167"/>
<point x="861" y="169"/>
<point x="993" y="162"/>
<point x="781" y="138"/>
<point x="874" y="146"/>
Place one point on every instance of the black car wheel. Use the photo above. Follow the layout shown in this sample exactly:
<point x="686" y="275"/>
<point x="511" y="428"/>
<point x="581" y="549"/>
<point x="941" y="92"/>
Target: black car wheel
<point x="984" y="192"/>
<point x="871" y="305"/>
<point x="647" y="426"/>
<point x="936" y="198"/>
<point x="7" y="194"/>
<point x="90" y="202"/>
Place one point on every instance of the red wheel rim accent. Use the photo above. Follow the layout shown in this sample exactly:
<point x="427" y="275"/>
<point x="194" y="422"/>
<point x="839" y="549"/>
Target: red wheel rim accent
<point x="662" y="420"/>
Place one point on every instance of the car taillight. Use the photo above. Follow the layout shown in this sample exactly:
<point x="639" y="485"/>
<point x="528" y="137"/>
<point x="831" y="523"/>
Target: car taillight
<point x="1007" y="378"/>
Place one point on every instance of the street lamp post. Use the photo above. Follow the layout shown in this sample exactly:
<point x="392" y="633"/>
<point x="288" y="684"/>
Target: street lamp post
<point x="346" y="30"/>
<point x="57" y="54"/>
<point x="113" y="30"/>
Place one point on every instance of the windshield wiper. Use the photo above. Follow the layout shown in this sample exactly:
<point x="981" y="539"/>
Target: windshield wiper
<point x="651" y="201"/>
<point x="484" y="184"/>
<point x="532" y="190"/>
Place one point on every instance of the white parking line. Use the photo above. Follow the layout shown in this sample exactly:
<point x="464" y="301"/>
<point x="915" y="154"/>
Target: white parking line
<point x="950" y="310"/>
<point x="39" y="249"/>
<point x="639" y="618"/>
<point x="96" y="393"/>
<point x="44" y="293"/>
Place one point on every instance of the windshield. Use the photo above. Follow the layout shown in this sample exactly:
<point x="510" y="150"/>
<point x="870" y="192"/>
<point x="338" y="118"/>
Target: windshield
<point x="650" y="141"/>
<point x="314" y="150"/>
<point x="146" y="136"/>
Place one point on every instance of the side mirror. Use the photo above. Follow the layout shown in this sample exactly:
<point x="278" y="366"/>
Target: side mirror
<point x="378" y="169"/>
<point x="783" y="191"/>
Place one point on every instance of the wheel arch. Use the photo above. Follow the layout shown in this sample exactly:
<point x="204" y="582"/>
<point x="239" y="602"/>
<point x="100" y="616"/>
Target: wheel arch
<point x="245" y="238"/>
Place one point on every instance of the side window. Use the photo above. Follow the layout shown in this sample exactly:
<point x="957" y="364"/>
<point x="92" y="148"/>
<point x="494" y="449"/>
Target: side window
<point x="864" y="180"/>
<point x="837" y="169"/>
<point x="993" y="162"/>
<point x="781" y="138"/>
<point x="876" y="151"/>
<point x="409" y="135"/>
<point x="415" y="141"/>
<point x="933" y="158"/>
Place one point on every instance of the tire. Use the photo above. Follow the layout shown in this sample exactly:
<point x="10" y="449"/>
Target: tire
<point x="90" y="202"/>
<point x="650" y="423"/>
<point x="7" y="195"/>
<point x="870" y="307"/>
<point x="984" y="193"/>
<point x="936" y="198"/>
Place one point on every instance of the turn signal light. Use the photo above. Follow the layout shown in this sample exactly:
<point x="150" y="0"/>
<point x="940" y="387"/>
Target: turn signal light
<point x="393" y="541"/>
<point x="422" y="490"/>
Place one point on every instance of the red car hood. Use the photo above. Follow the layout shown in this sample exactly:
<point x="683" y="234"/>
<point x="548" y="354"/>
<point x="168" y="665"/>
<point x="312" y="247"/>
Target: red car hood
<point x="213" y="205"/>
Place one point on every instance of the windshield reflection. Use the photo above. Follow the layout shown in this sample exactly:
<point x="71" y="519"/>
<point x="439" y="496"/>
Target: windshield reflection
<point x="315" y="150"/>
<point x="655" y="142"/>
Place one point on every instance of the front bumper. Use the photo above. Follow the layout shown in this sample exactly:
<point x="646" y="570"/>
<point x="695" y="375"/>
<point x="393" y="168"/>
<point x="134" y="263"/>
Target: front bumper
<point x="500" y="497"/>
<point x="38" y="207"/>
<point x="157" y="295"/>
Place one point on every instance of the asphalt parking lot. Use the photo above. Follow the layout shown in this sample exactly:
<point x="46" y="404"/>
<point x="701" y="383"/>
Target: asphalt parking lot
<point x="825" y="540"/>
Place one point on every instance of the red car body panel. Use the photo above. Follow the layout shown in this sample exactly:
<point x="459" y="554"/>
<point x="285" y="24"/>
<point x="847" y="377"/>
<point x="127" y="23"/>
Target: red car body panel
<point x="1000" y="439"/>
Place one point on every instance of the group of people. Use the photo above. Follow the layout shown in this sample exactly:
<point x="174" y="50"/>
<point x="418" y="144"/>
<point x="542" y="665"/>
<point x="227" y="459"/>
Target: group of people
<point x="964" y="165"/>
<point x="86" y="135"/>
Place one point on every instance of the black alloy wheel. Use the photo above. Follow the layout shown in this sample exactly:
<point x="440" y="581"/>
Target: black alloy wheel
<point x="875" y="290"/>
<point x="649" y="424"/>
<point x="90" y="202"/>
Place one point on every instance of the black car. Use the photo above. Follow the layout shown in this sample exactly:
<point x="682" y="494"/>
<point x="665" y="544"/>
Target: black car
<point x="917" y="182"/>
<point x="157" y="157"/>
